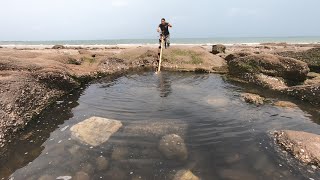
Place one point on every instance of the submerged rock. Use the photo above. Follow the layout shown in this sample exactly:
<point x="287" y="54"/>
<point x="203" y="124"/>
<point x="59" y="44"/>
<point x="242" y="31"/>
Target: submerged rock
<point x="46" y="177"/>
<point x="185" y="175"/>
<point x="156" y="128"/>
<point x="119" y="153"/>
<point x="285" y="104"/>
<point x="87" y="168"/>
<point x="173" y="147"/>
<point x="219" y="48"/>
<point x="95" y="130"/>
<point x="102" y="163"/>
<point x="302" y="145"/>
<point x="234" y="174"/>
<point x="218" y="102"/>
<point x="81" y="176"/>
<point x="252" y="98"/>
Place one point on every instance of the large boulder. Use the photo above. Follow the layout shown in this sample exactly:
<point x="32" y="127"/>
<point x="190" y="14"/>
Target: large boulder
<point x="302" y="145"/>
<point x="173" y="147"/>
<point x="219" y="48"/>
<point x="311" y="57"/>
<point x="95" y="130"/>
<point x="276" y="66"/>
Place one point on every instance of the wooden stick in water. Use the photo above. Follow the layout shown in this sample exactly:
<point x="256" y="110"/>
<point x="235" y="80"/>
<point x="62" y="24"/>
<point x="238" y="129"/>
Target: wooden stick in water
<point x="161" y="51"/>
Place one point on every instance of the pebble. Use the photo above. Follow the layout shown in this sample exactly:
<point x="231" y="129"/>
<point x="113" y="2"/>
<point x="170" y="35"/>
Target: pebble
<point x="314" y="167"/>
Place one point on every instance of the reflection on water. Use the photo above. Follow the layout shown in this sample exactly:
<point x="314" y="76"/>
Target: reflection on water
<point x="164" y="85"/>
<point x="225" y="137"/>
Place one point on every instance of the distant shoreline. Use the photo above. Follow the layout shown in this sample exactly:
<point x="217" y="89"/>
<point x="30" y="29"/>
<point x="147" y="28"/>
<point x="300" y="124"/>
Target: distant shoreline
<point x="49" y="46"/>
<point x="175" y="41"/>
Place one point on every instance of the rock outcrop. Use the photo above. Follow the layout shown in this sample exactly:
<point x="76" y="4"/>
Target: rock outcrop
<point x="173" y="147"/>
<point x="302" y="145"/>
<point x="95" y="130"/>
<point x="310" y="93"/>
<point x="287" y="68"/>
<point x="311" y="57"/>
<point x="58" y="47"/>
<point x="219" y="48"/>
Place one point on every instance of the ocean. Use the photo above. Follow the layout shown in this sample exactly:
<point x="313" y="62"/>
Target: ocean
<point x="178" y="41"/>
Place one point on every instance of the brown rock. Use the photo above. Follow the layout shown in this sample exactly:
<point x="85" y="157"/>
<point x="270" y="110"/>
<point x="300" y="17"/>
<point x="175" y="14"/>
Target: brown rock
<point x="290" y="69"/>
<point x="309" y="93"/>
<point x="119" y="153"/>
<point x="311" y="57"/>
<point x="285" y="104"/>
<point x="219" y="48"/>
<point x="302" y="145"/>
<point x="46" y="177"/>
<point x="252" y="98"/>
<point x="87" y="168"/>
<point x="102" y="163"/>
<point x="58" y="47"/>
<point x="81" y="176"/>
<point x="274" y="83"/>
<point x="185" y="175"/>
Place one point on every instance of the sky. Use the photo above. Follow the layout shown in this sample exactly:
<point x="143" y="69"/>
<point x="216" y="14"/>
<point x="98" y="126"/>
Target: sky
<point x="24" y="20"/>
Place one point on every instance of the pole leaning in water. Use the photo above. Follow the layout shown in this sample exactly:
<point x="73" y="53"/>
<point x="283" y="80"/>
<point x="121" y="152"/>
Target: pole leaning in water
<point x="160" y="55"/>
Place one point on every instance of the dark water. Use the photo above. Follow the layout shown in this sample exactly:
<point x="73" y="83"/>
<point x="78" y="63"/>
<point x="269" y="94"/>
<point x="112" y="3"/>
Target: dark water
<point x="226" y="138"/>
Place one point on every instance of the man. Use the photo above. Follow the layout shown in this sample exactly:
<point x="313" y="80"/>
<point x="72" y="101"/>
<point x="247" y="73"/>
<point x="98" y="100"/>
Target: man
<point x="164" y="30"/>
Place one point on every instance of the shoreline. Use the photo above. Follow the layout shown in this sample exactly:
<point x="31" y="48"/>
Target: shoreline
<point x="44" y="46"/>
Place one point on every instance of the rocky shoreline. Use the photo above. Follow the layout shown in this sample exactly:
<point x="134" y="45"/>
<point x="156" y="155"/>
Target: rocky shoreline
<point x="32" y="79"/>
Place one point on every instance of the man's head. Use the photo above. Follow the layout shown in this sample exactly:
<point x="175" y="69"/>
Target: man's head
<point x="163" y="21"/>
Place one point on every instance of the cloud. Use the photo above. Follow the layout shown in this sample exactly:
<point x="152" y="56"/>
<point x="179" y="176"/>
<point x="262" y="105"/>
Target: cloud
<point x="119" y="3"/>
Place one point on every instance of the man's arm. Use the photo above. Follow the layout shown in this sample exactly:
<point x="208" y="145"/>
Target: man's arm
<point x="169" y="25"/>
<point x="159" y="30"/>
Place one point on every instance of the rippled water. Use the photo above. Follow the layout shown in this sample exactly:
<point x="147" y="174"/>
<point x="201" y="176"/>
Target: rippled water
<point x="226" y="138"/>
